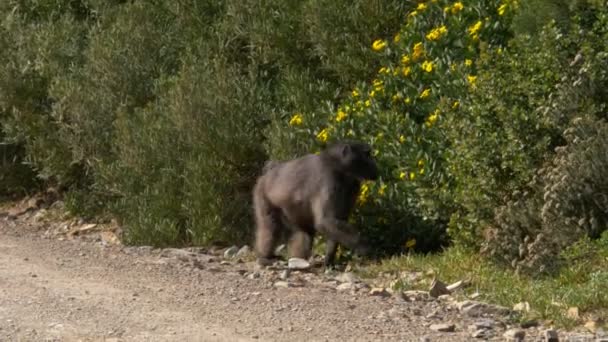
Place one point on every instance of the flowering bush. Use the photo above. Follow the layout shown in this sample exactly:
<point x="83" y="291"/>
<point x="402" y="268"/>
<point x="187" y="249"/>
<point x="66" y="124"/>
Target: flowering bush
<point x="427" y="70"/>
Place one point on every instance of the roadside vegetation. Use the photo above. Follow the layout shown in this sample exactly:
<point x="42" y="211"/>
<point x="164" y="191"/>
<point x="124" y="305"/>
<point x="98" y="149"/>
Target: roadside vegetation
<point x="487" y="117"/>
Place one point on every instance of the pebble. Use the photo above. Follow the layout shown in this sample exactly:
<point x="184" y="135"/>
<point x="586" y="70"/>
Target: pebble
<point x="243" y="252"/>
<point x="443" y="327"/>
<point x="551" y="335"/>
<point x="379" y="291"/>
<point x="281" y="284"/>
<point x="514" y="334"/>
<point x="345" y="287"/>
<point x="346" y="277"/>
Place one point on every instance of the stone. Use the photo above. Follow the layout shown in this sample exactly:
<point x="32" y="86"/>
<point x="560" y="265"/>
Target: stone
<point x="298" y="264"/>
<point x="550" y="335"/>
<point x="346" y="277"/>
<point x="379" y="291"/>
<point x="284" y="274"/>
<point x="345" y="287"/>
<point x="414" y="295"/>
<point x="176" y="253"/>
<point x="529" y="324"/>
<point x="231" y="252"/>
<point x="481" y="333"/>
<point x="514" y="334"/>
<point x="243" y="252"/>
<point x="522" y="307"/>
<point x="425" y="339"/>
<point x="281" y="284"/>
<point x="446" y="298"/>
<point x="483" y="324"/>
<point x="443" y="327"/>
<point x="573" y="313"/>
<point x="591" y="326"/>
<point x="280" y="249"/>
<point x="438" y="288"/>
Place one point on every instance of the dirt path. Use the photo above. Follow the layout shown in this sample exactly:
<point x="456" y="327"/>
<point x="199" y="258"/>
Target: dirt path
<point x="77" y="290"/>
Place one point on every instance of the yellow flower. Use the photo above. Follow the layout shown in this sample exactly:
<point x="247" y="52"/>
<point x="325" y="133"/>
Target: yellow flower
<point x="412" y="175"/>
<point x="427" y="66"/>
<point x="421" y="7"/>
<point x="355" y="93"/>
<point x="474" y="29"/>
<point x="430" y="121"/>
<point x="397" y="38"/>
<point x="378" y="45"/>
<point x="341" y="115"/>
<point x="323" y="135"/>
<point x="421" y="171"/>
<point x="296" y="120"/>
<point x="412" y="14"/>
<point x="396" y="71"/>
<point x="396" y="97"/>
<point x="402" y="175"/>
<point x="457" y="7"/>
<point x="383" y="70"/>
<point x="471" y="79"/>
<point x="425" y="93"/>
<point x="382" y="189"/>
<point x="350" y="133"/>
<point x="363" y="194"/>
<point x="436" y="33"/>
<point x="378" y="85"/>
<point x="410" y="243"/>
<point x="368" y="103"/>
<point x="407" y="100"/>
<point x="372" y="93"/>
<point x="499" y="51"/>
<point x="418" y="51"/>
<point x="401" y="139"/>
<point x="455" y="104"/>
<point x="405" y="59"/>
<point x="468" y="62"/>
<point x="407" y="71"/>
<point x="502" y="9"/>
<point x="420" y="163"/>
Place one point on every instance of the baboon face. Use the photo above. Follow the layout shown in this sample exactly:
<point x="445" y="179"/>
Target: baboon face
<point x="356" y="158"/>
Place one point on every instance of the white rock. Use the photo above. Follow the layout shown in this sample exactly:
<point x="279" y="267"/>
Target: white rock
<point x="345" y="287"/>
<point x="231" y="252"/>
<point x="298" y="264"/>
<point x="522" y="306"/>
<point x="379" y="291"/>
<point x="281" y="284"/>
<point x="514" y="334"/>
<point x="346" y="277"/>
<point x="243" y="252"/>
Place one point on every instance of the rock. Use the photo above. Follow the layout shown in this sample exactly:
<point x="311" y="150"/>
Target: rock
<point x="176" y="253"/>
<point x="280" y="249"/>
<point x="550" y="335"/>
<point x="298" y="264"/>
<point x="591" y="326"/>
<point x="457" y="285"/>
<point x="433" y="314"/>
<point x="109" y="238"/>
<point x="284" y="274"/>
<point x="475" y="309"/>
<point x="483" y="324"/>
<point x="475" y="295"/>
<point x="414" y="295"/>
<point x="481" y="333"/>
<point x="425" y="339"/>
<point x="345" y="287"/>
<point x="446" y="298"/>
<point x="522" y="307"/>
<point x="573" y="313"/>
<point x="346" y="277"/>
<point x="514" y="334"/>
<point x="243" y="252"/>
<point x="231" y="252"/>
<point x="443" y="327"/>
<point x="281" y="284"/>
<point x="438" y="288"/>
<point x="254" y="275"/>
<point x="379" y="291"/>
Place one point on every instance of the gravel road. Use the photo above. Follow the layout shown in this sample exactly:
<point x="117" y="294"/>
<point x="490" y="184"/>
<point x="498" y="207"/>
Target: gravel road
<point x="60" y="289"/>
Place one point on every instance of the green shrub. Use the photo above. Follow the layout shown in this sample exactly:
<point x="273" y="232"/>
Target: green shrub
<point x="425" y="72"/>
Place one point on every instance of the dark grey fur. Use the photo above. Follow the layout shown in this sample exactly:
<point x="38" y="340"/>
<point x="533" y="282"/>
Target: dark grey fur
<point x="313" y="193"/>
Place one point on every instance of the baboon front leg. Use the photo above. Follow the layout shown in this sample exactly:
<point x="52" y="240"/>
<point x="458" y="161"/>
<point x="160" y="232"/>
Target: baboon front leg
<point x="331" y="247"/>
<point x="300" y="244"/>
<point x="342" y="232"/>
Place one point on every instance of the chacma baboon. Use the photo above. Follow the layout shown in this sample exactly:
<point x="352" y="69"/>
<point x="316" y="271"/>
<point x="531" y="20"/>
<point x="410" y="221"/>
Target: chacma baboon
<point x="313" y="193"/>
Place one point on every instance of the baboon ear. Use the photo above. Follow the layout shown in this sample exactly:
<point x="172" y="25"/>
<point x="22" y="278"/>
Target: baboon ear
<point x="346" y="150"/>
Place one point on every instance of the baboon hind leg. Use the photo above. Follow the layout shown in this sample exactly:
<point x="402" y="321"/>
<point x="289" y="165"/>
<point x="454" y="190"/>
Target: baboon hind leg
<point x="300" y="244"/>
<point x="269" y="227"/>
<point x="331" y="248"/>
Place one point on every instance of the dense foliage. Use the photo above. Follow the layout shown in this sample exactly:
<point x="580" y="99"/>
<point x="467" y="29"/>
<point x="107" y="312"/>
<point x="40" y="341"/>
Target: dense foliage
<point x="486" y="118"/>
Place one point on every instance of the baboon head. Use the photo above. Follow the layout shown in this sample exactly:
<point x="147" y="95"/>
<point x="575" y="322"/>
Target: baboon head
<point x="355" y="159"/>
